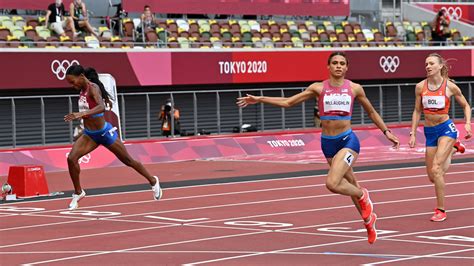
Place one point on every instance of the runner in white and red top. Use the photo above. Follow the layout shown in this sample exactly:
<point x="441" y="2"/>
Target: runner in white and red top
<point x="339" y="144"/>
<point x="97" y="132"/>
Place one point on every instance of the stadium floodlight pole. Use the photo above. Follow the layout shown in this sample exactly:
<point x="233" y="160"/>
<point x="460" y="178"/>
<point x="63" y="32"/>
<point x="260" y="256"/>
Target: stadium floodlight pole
<point x="394" y="7"/>
<point x="401" y="11"/>
<point x="13" y="122"/>
<point x="240" y="114"/>
<point x="148" y="115"/>
<point x="143" y="33"/>
<point x="470" y="95"/>
<point x="218" y="108"/>
<point x="195" y="114"/>
<point x="172" y="115"/>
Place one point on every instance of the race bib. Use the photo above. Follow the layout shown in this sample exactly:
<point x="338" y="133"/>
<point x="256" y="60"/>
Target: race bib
<point x="83" y="104"/>
<point x="434" y="102"/>
<point x="337" y="103"/>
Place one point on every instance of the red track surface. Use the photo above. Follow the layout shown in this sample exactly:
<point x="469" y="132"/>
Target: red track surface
<point x="289" y="221"/>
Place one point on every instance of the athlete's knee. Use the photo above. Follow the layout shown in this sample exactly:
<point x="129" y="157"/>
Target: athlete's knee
<point x="436" y="169"/>
<point x="332" y="185"/>
<point x="351" y="179"/>
<point x="72" y="158"/>
<point x="431" y="175"/>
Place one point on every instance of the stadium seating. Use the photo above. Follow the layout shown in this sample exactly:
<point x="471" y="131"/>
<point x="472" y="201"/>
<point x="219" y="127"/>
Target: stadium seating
<point x="29" y="32"/>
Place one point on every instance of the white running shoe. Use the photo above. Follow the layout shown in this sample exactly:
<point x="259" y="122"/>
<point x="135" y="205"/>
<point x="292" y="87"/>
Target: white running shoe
<point x="157" y="192"/>
<point x="75" y="200"/>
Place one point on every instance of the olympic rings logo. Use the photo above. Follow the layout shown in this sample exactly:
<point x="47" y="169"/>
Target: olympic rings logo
<point x="453" y="12"/>
<point x="389" y="63"/>
<point x="59" y="68"/>
<point x="84" y="159"/>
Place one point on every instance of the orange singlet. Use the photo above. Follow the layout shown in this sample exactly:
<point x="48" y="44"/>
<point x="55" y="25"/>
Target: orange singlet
<point x="435" y="102"/>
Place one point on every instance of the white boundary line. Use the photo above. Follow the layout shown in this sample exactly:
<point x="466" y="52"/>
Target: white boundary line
<point x="199" y="240"/>
<point x="251" y="181"/>
<point x="420" y="257"/>
<point x="191" y="224"/>
<point x="238" y="204"/>
<point x="204" y="239"/>
<point x="83" y="236"/>
<point x="226" y="252"/>
<point x="319" y="245"/>
<point x="150" y="246"/>
<point x="302" y="198"/>
<point x="257" y="191"/>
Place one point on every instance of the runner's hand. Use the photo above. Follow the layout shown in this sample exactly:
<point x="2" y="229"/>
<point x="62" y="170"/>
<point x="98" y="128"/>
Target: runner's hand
<point x="72" y="116"/>
<point x="390" y="136"/>
<point x="244" y="101"/>
<point x="412" y="142"/>
<point x="467" y="126"/>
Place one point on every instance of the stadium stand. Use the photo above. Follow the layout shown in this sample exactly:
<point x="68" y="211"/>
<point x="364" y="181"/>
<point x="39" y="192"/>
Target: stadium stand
<point x="30" y="32"/>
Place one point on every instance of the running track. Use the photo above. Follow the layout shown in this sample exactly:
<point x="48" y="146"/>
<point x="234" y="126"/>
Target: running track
<point x="280" y="221"/>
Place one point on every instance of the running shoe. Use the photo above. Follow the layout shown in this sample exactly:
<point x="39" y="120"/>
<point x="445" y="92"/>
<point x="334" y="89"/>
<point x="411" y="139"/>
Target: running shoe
<point x="75" y="200"/>
<point x="439" y="216"/>
<point x="459" y="147"/>
<point x="157" y="192"/>
<point x="366" y="205"/>
<point x="370" y="226"/>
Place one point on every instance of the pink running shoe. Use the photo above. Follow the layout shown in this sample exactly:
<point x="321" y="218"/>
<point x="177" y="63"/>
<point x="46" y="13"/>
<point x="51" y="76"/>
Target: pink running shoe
<point x="366" y="205"/>
<point x="439" y="216"/>
<point x="459" y="147"/>
<point x="371" y="231"/>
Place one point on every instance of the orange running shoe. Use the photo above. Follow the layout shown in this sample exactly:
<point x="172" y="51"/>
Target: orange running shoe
<point x="366" y="205"/>
<point x="371" y="231"/>
<point x="459" y="147"/>
<point x="439" y="216"/>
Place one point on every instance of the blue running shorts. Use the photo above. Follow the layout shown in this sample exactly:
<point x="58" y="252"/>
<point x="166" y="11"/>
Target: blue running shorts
<point x="432" y="134"/>
<point x="105" y="136"/>
<point x="332" y="144"/>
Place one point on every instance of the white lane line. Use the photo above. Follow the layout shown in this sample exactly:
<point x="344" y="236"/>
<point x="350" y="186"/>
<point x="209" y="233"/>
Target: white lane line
<point x="250" y="191"/>
<point x="289" y="199"/>
<point x="119" y="218"/>
<point x="224" y="252"/>
<point x="421" y="257"/>
<point x="150" y="246"/>
<point x="156" y="227"/>
<point x="381" y="218"/>
<point x="84" y="236"/>
<point x="256" y="181"/>
<point x="319" y="245"/>
<point x="196" y="240"/>
<point x="41" y="225"/>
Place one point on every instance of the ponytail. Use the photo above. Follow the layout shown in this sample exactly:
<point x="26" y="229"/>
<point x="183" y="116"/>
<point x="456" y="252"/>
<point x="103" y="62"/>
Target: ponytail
<point x="92" y="76"/>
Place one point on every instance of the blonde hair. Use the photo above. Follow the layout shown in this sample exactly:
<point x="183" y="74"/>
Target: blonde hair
<point x="442" y="61"/>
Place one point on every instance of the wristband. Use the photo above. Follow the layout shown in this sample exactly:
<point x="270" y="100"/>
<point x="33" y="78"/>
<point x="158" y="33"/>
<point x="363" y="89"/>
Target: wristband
<point x="385" y="131"/>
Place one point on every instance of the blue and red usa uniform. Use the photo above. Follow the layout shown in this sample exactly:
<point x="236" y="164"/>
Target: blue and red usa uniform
<point x="336" y="103"/>
<point x="105" y="136"/>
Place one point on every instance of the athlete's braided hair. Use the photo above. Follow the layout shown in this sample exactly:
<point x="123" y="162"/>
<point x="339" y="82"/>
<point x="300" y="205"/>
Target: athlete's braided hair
<point x="91" y="74"/>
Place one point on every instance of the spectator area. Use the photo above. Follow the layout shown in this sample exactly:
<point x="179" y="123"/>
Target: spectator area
<point x="30" y="32"/>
